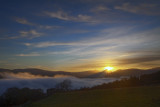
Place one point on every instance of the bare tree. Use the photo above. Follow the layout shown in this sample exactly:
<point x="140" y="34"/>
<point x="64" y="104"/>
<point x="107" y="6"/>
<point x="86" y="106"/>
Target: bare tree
<point x="64" y="85"/>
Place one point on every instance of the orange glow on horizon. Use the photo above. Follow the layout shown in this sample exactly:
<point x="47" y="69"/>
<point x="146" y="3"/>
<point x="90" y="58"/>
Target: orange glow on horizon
<point x="109" y="68"/>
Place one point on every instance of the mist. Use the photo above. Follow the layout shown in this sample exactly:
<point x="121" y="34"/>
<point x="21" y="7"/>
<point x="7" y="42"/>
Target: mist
<point x="22" y="80"/>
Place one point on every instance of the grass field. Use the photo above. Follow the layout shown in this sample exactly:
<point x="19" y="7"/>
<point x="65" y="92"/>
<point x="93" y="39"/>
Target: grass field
<point x="148" y="96"/>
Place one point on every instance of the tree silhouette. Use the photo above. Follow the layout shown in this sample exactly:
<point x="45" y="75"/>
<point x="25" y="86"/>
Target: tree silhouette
<point x="64" y="85"/>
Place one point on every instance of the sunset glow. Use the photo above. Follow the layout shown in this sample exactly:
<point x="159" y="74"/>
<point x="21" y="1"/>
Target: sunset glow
<point x="56" y="47"/>
<point x="79" y="35"/>
<point x="108" y="68"/>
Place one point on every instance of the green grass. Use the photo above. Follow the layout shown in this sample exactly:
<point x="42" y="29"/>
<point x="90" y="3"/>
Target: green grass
<point x="122" y="97"/>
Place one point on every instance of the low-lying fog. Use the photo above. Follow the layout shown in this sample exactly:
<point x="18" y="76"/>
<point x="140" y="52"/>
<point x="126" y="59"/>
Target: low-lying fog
<point x="22" y="80"/>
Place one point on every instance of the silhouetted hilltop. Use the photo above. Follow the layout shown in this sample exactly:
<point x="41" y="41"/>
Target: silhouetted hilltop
<point x="35" y="71"/>
<point x="132" y="72"/>
<point x="41" y="72"/>
<point x="143" y="80"/>
<point x="125" y="72"/>
<point x="102" y="74"/>
<point x="84" y="74"/>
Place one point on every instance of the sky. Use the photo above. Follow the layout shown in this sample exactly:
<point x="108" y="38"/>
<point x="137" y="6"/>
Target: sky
<point x="79" y="35"/>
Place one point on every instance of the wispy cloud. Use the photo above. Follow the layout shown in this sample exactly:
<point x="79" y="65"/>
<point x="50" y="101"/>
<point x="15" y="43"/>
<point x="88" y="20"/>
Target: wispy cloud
<point x="62" y="15"/>
<point x="139" y="59"/>
<point x="147" y="9"/>
<point x="86" y="51"/>
<point x="100" y="8"/>
<point x="98" y="1"/>
<point x="89" y="66"/>
<point x="105" y="37"/>
<point x="48" y="27"/>
<point x="30" y="34"/>
<point x="29" y="54"/>
<point x="26" y="22"/>
<point x="108" y="39"/>
<point x="47" y="44"/>
<point x="26" y="34"/>
<point x="112" y="46"/>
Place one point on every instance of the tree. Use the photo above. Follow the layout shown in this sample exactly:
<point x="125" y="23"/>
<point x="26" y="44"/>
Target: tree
<point x="64" y="85"/>
<point x="16" y="96"/>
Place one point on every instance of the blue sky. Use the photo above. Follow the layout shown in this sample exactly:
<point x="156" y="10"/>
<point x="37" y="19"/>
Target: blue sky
<point x="79" y="35"/>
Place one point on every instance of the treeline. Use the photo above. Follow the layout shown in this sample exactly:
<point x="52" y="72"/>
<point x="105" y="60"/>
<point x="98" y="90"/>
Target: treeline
<point x="146" y="79"/>
<point x="15" y="96"/>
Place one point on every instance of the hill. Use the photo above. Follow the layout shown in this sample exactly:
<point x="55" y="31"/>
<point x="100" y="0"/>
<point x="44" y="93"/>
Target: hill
<point x="133" y="72"/>
<point x="143" y="80"/>
<point x="124" y="72"/>
<point x="120" y="97"/>
<point x="35" y="71"/>
<point x="83" y="74"/>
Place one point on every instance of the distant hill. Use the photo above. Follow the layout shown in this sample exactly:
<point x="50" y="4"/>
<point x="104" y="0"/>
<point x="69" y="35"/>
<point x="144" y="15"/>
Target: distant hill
<point x="48" y="73"/>
<point x="133" y="81"/>
<point x="133" y="72"/>
<point x="126" y="72"/>
<point x="102" y="74"/>
<point x="84" y="74"/>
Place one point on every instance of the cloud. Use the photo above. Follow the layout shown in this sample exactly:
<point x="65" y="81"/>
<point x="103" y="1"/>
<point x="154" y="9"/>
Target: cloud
<point x="25" y="34"/>
<point x="110" y="37"/>
<point x="89" y="66"/>
<point x="77" y="31"/>
<point x="30" y="34"/>
<point x="49" y="27"/>
<point x="111" y="46"/>
<point x="110" y="43"/>
<point x="30" y="54"/>
<point x="139" y="59"/>
<point x="100" y="8"/>
<point x="98" y="1"/>
<point x="59" y="15"/>
<point x="87" y="50"/>
<point x="48" y="44"/>
<point x="65" y="16"/>
<point x="147" y="9"/>
<point x="24" y="21"/>
<point x="22" y="80"/>
<point x="95" y="15"/>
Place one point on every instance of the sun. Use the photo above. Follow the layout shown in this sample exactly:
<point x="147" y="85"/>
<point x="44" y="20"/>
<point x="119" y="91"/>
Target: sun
<point x="109" y="68"/>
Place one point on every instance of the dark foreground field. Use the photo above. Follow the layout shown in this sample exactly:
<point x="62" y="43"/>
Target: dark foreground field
<point x="148" y="96"/>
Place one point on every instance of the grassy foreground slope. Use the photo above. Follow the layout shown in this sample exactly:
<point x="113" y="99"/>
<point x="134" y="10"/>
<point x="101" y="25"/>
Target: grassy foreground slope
<point x="148" y="96"/>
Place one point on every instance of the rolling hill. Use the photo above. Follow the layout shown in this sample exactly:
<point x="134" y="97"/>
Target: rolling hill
<point x="84" y="74"/>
